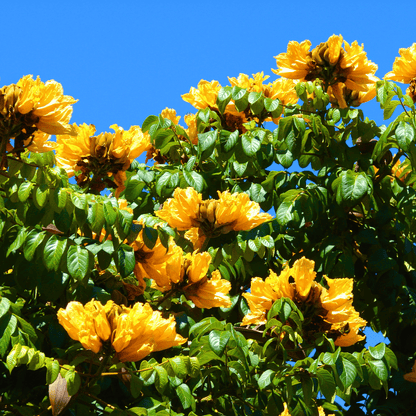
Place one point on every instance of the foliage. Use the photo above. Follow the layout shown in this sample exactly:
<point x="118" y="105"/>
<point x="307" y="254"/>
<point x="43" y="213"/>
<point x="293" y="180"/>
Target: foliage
<point x="350" y="210"/>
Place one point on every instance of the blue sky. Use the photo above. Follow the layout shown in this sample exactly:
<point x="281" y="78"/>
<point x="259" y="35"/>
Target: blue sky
<point x="126" y="60"/>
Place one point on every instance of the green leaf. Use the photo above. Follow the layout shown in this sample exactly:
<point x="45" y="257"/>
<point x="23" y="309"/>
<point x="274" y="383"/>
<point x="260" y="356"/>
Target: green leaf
<point x="148" y="122"/>
<point x="378" y="351"/>
<point x="78" y="262"/>
<point x="161" y="378"/>
<point x="326" y="383"/>
<point x="207" y="140"/>
<point x="232" y="140"/>
<point x="350" y="187"/>
<point x="178" y="366"/>
<point x="24" y="190"/>
<point x="194" y="179"/>
<point x="162" y="182"/>
<point x="73" y="382"/>
<point x="52" y="370"/>
<point x="126" y="260"/>
<point x="405" y="135"/>
<point x="185" y="396"/>
<point x="7" y="326"/>
<point x="379" y="369"/>
<point x="256" y="100"/>
<point x="53" y="251"/>
<point x="58" y="198"/>
<point x="223" y="98"/>
<point x="32" y="242"/>
<point x="348" y="374"/>
<point x="4" y="306"/>
<point x="307" y="389"/>
<point x="18" y="242"/>
<point x="266" y="379"/>
<point x="110" y="213"/>
<point x="389" y="109"/>
<point x="285" y="158"/>
<point x="41" y="195"/>
<point x="218" y="341"/>
<point x="240" y="97"/>
<point x="134" y="187"/>
<point x="250" y="143"/>
<point x="136" y="385"/>
<point x="194" y="369"/>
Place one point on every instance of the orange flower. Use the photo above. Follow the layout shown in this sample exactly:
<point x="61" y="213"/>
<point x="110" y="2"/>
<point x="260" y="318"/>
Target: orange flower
<point x="108" y="154"/>
<point x="214" y="217"/>
<point x="134" y="332"/>
<point x="87" y="325"/>
<point x="182" y="210"/>
<point x="404" y="68"/>
<point x="333" y="305"/>
<point x="204" y="96"/>
<point x="30" y="111"/>
<point x="296" y="63"/>
<point x="338" y="67"/>
<point x="250" y="84"/>
<point x="170" y="114"/>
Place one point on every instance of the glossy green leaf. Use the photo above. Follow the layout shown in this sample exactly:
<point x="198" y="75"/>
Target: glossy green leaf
<point x="185" y="396"/>
<point x="218" y="341"/>
<point x="53" y="251"/>
<point x="126" y="260"/>
<point x="78" y="262"/>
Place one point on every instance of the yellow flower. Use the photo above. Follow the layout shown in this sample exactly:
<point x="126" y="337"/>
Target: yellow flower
<point x="231" y="212"/>
<point x="320" y="410"/>
<point x="412" y="375"/>
<point x="204" y="292"/>
<point x="151" y="263"/>
<point x="404" y="68"/>
<point x="192" y="130"/>
<point x="182" y="210"/>
<point x="204" y="96"/>
<point x="211" y="292"/>
<point x="108" y="154"/>
<point x="254" y="84"/>
<point x="338" y="67"/>
<point x="296" y="63"/>
<point x="30" y="111"/>
<point x="333" y="305"/>
<point x="170" y="114"/>
<point x="351" y="336"/>
<point x="282" y="89"/>
<point x="134" y="332"/>
<point x="236" y="212"/>
<point x="260" y="301"/>
<point x="87" y="325"/>
<point x="196" y="237"/>
<point x="356" y="68"/>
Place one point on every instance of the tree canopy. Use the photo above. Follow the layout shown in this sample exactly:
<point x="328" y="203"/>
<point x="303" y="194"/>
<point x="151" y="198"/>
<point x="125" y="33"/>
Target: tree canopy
<point x="233" y="272"/>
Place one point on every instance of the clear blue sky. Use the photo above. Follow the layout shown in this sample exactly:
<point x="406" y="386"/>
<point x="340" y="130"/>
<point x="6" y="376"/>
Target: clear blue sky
<point x="125" y="60"/>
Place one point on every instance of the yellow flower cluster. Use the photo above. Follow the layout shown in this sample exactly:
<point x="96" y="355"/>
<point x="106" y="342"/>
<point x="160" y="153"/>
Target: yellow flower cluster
<point x="188" y="273"/>
<point x="332" y="305"/>
<point x="205" y="96"/>
<point x="320" y="410"/>
<point x="404" y="69"/>
<point x="213" y="217"/>
<point x="133" y="332"/>
<point x="347" y="74"/>
<point x="190" y="120"/>
<point x="101" y="156"/>
<point x="30" y="111"/>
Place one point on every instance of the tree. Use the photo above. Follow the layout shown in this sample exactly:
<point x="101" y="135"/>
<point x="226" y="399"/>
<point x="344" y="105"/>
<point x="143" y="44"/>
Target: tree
<point x="162" y="289"/>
